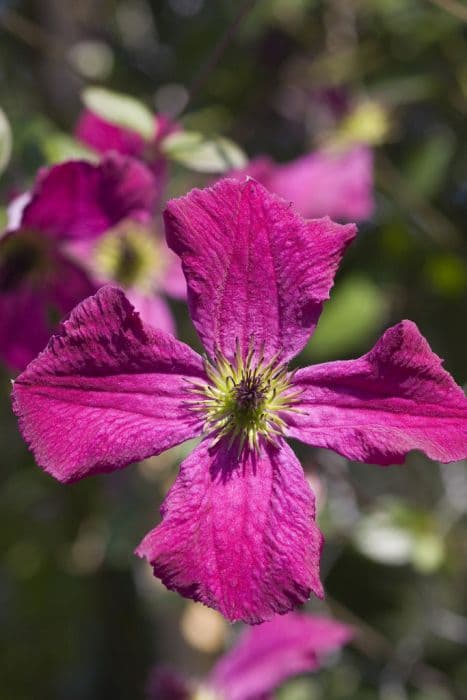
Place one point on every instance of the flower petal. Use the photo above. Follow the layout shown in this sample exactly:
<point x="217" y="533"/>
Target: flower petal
<point x="15" y="210"/>
<point x="66" y="287"/>
<point x="78" y="199"/>
<point x="102" y="136"/>
<point x="324" y="183"/>
<point x="267" y="655"/>
<point x="32" y="301"/>
<point x="238" y="534"/>
<point x="377" y="408"/>
<point x="259" y="168"/>
<point x="254" y="269"/>
<point x="173" y="281"/>
<point x="153" y="309"/>
<point x="321" y="183"/>
<point x="166" y="684"/>
<point x="23" y="330"/>
<point x="106" y="391"/>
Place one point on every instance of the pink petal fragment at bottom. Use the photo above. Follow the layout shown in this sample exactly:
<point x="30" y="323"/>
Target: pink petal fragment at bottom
<point x="239" y="534"/>
<point x="375" y="409"/>
<point x="267" y="655"/>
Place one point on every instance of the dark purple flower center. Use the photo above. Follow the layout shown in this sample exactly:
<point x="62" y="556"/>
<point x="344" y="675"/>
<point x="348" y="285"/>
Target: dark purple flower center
<point x="22" y="256"/>
<point x="243" y="398"/>
<point x="128" y="263"/>
<point x="249" y="392"/>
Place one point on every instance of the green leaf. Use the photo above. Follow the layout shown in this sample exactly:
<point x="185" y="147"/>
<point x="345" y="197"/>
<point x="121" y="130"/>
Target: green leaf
<point x="204" y="155"/>
<point x="122" y="110"/>
<point x="429" y="552"/>
<point x="380" y="539"/>
<point x="427" y="168"/>
<point x="5" y="141"/>
<point x="397" y="534"/>
<point x="299" y="689"/>
<point x="3" y="218"/>
<point x="404" y="89"/>
<point x="447" y="274"/>
<point x="59" y="147"/>
<point x="356" y="310"/>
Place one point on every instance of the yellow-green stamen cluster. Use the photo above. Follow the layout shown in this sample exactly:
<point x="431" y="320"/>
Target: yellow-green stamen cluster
<point x="129" y="255"/>
<point x="244" y="399"/>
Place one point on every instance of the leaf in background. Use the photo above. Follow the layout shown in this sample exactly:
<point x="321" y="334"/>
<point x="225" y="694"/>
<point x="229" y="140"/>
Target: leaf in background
<point x="356" y="310"/>
<point x="396" y="534"/>
<point x="404" y="89"/>
<point x="123" y="110"/>
<point x="213" y="118"/>
<point x="58" y="147"/>
<point x="5" y="141"/>
<point x="3" y="219"/>
<point x="380" y="539"/>
<point x="428" y="552"/>
<point x="446" y="273"/>
<point x="204" y="155"/>
<point x="300" y="689"/>
<point x="427" y="168"/>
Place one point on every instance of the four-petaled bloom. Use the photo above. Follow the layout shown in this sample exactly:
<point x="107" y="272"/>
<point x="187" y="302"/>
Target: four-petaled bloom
<point x="238" y="530"/>
<point x="328" y="182"/>
<point x="264" y="657"/>
<point x="40" y="279"/>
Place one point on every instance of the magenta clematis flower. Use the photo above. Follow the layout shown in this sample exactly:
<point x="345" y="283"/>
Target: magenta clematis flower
<point x="103" y="136"/>
<point x="238" y="530"/>
<point x="322" y="183"/>
<point x="264" y="657"/>
<point x="39" y="279"/>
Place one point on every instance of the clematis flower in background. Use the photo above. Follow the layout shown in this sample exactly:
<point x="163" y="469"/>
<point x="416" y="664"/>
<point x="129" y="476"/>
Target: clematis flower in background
<point x="103" y="136"/>
<point x="238" y="530"/>
<point x="263" y="658"/>
<point x="336" y="183"/>
<point x="136" y="257"/>
<point x="40" y="280"/>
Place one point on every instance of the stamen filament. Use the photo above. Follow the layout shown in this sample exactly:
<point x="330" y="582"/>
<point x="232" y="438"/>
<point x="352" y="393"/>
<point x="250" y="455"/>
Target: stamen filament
<point x="243" y="398"/>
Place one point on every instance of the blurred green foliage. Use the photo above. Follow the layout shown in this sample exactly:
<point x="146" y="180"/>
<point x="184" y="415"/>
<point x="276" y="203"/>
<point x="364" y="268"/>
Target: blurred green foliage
<point x="357" y="313"/>
<point x="81" y="617"/>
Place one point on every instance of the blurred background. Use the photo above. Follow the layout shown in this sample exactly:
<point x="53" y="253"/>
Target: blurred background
<point x="80" y="616"/>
